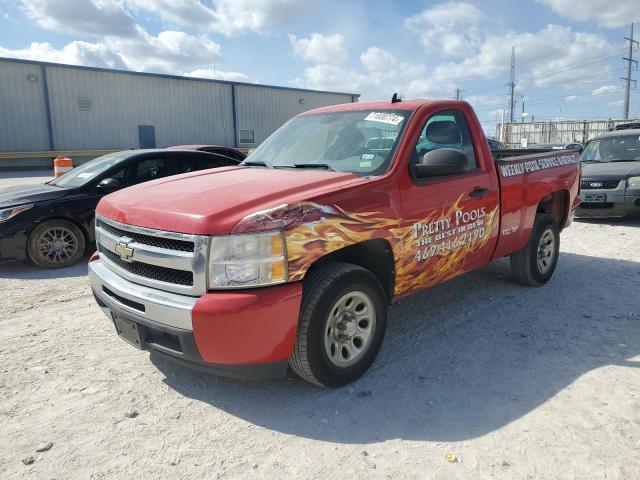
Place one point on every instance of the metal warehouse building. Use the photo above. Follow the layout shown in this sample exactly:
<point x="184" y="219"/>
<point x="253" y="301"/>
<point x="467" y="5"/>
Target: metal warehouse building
<point x="48" y="108"/>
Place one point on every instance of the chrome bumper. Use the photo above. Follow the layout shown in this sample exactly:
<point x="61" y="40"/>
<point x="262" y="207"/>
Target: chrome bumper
<point x="156" y="306"/>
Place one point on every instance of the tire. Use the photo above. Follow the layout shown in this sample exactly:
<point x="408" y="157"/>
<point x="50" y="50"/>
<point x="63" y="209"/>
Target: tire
<point x="56" y="243"/>
<point x="535" y="263"/>
<point x="323" y="336"/>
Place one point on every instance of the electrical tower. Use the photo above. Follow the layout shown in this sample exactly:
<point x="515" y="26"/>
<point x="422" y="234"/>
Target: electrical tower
<point x="630" y="61"/>
<point x="512" y="85"/>
<point x="459" y="92"/>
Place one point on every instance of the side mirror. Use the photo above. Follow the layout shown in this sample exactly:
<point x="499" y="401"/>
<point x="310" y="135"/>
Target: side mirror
<point x="108" y="185"/>
<point x="443" y="161"/>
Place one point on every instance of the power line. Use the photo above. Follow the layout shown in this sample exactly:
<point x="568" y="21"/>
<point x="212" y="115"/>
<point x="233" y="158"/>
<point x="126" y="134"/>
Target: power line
<point x="573" y="81"/>
<point x="572" y="66"/>
<point x="550" y="72"/>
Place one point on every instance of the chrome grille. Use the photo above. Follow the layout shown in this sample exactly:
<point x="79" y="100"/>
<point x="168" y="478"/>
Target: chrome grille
<point x="170" y="261"/>
<point x="599" y="184"/>
<point x="168" y="243"/>
<point x="162" y="274"/>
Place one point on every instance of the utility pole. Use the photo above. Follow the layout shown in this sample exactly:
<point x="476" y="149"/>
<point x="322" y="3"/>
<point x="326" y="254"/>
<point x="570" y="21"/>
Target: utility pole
<point x="512" y="84"/>
<point x="459" y="92"/>
<point x="630" y="61"/>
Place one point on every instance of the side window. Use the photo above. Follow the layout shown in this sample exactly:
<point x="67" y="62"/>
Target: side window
<point x="120" y="174"/>
<point x="446" y="129"/>
<point x="185" y="164"/>
<point x="149" y="169"/>
<point x="235" y="155"/>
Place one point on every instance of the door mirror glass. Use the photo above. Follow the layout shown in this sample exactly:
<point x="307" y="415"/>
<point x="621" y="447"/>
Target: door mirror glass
<point x="109" y="185"/>
<point x="443" y="161"/>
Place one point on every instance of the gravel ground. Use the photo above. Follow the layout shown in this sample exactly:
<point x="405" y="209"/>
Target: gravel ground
<point x="515" y="382"/>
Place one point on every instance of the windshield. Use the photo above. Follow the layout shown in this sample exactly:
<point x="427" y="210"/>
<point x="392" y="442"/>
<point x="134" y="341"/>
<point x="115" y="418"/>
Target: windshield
<point x="85" y="173"/>
<point x="362" y="142"/>
<point x="612" y="149"/>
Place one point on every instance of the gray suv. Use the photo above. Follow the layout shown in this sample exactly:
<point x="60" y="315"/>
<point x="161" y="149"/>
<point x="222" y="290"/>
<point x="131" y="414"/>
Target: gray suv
<point x="610" y="185"/>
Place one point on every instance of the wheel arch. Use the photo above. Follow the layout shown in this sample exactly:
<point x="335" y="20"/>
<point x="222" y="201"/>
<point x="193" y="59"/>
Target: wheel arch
<point x="555" y="204"/>
<point x="374" y="255"/>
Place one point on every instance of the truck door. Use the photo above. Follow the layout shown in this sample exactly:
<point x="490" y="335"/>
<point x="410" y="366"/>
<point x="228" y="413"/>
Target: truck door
<point x="451" y="220"/>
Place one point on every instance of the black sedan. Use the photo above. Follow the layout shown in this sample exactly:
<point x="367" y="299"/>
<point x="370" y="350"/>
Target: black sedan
<point x="51" y="224"/>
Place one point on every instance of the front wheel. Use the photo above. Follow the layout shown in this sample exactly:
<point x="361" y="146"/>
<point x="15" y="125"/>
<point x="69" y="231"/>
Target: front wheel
<point x="55" y="244"/>
<point x="342" y="324"/>
<point x="535" y="263"/>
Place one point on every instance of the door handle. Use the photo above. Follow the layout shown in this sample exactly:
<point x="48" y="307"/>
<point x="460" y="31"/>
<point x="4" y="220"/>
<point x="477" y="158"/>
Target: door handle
<point x="478" y="192"/>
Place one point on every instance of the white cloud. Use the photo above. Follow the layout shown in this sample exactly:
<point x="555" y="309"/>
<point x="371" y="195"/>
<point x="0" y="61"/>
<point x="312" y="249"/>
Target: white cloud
<point x="571" y="98"/>
<point x="113" y="18"/>
<point x="332" y="77"/>
<point x="376" y="59"/>
<point x="94" y="17"/>
<point x="449" y="28"/>
<point x="615" y="103"/>
<point x="319" y="48"/>
<point x="229" y="17"/>
<point x="551" y="55"/>
<point x="218" y="75"/>
<point x="485" y="100"/>
<point x="409" y="80"/>
<point x="168" y="52"/>
<point x="74" y="53"/>
<point x="606" y="90"/>
<point x="605" y="12"/>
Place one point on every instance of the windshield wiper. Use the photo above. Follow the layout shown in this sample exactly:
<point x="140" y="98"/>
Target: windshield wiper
<point x="324" y="166"/>
<point x="620" y="160"/>
<point x="254" y="164"/>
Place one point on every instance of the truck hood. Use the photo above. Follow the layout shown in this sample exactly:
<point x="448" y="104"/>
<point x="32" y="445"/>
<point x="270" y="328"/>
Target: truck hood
<point x="211" y="202"/>
<point x="612" y="170"/>
<point x="22" y="194"/>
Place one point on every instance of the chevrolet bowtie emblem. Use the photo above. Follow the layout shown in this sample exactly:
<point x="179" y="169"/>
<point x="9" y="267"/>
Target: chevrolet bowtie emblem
<point x="124" y="251"/>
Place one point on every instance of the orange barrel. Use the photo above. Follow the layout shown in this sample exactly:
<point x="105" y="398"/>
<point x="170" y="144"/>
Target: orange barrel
<point x="61" y="165"/>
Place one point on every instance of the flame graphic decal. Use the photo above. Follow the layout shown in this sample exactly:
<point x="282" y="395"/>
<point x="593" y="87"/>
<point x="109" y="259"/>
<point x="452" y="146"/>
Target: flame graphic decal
<point x="417" y="266"/>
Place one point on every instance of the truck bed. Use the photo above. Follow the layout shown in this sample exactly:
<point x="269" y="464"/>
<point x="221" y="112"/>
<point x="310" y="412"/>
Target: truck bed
<point x="526" y="176"/>
<point x="510" y="153"/>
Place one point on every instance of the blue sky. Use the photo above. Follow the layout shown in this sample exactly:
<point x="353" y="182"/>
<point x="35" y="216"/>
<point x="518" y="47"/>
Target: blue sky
<point x="568" y="54"/>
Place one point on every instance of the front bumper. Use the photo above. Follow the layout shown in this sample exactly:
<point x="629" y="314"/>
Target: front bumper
<point x="618" y="203"/>
<point x="242" y="334"/>
<point x="13" y="247"/>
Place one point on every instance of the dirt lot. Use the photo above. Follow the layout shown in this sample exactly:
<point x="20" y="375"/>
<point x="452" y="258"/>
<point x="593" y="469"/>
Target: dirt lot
<point x="516" y="382"/>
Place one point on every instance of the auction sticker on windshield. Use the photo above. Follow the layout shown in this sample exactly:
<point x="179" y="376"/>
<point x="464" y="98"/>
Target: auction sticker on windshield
<point x="390" y="118"/>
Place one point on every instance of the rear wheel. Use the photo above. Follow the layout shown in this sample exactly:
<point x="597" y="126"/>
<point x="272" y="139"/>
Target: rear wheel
<point x="55" y="244"/>
<point x="342" y="325"/>
<point x="535" y="263"/>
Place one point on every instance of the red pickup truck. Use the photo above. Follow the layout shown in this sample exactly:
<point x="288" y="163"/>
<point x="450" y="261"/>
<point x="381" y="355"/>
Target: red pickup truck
<point x="291" y="258"/>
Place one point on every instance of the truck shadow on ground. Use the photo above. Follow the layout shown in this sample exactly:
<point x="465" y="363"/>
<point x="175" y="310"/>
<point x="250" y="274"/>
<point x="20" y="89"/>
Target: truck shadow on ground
<point x="459" y="361"/>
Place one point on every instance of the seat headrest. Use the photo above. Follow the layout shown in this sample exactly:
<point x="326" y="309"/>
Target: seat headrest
<point x="443" y="131"/>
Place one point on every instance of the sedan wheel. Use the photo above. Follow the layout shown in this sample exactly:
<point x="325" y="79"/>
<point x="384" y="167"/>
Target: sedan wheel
<point x="56" y="244"/>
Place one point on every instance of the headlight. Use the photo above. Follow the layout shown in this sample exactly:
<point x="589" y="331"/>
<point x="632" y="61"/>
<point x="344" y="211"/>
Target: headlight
<point x="633" y="182"/>
<point x="8" y="213"/>
<point x="237" y="261"/>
